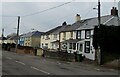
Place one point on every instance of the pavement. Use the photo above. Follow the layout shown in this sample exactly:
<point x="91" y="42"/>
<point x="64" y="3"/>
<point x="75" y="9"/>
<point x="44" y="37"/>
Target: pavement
<point x="22" y="64"/>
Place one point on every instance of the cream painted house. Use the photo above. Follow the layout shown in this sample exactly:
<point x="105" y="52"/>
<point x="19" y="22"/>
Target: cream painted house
<point x="51" y="38"/>
<point x="31" y="39"/>
<point x="68" y="35"/>
<point x="12" y="39"/>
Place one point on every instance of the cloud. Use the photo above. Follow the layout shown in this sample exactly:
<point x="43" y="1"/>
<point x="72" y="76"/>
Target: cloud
<point x="49" y="19"/>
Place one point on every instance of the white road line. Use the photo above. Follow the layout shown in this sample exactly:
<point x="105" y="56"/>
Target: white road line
<point x="58" y="62"/>
<point x="39" y="70"/>
<point x="9" y="58"/>
<point x="20" y="62"/>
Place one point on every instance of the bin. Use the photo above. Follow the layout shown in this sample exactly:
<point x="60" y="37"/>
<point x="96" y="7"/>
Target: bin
<point x="79" y="58"/>
<point x="35" y="52"/>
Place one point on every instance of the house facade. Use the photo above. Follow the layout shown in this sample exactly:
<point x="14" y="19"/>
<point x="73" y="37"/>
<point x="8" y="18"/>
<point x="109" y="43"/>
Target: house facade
<point x="68" y="37"/>
<point x="48" y="37"/>
<point x="31" y="39"/>
<point x="83" y="43"/>
<point x="51" y="38"/>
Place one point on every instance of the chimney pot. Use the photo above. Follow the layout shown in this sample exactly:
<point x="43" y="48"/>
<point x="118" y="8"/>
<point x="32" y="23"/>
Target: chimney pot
<point x="64" y="23"/>
<point x="114" y="11"/>
<point x="77" y="17"/>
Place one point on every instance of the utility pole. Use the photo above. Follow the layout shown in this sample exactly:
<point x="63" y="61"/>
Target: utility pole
<point x="99" y="22"/>
<point x="2" y="35"/>
<point x="17" y="33"/>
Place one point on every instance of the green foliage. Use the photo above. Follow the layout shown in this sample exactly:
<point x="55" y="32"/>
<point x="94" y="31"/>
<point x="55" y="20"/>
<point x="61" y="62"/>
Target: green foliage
<point x="107" y="37"/>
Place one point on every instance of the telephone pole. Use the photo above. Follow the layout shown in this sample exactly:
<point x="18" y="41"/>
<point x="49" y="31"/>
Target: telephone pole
<point x="99" y="22"/>
<point x="2" y="35"/>
<point x="17" y="33"/>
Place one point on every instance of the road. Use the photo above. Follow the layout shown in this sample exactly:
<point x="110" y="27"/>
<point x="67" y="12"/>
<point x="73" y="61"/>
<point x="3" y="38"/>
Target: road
<point x="22" y="64"/>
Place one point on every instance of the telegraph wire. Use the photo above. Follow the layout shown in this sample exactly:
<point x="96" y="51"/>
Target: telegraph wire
<point x="7" y="16"/>
<point x="9" y="24"/>
<point x="47" y="9"/>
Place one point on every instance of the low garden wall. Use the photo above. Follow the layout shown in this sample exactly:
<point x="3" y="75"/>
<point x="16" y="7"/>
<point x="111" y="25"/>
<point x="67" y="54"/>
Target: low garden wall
<point x="60" y="55"/>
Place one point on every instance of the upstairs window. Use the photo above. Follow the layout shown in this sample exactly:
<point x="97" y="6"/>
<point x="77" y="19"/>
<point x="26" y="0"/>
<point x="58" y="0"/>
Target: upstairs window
<point x="55" y="36"/>
<point x="87" y="34"/>
<point x="43" y="36"/>
<point x="79" y="35"/>
<point x="47" y="37"/>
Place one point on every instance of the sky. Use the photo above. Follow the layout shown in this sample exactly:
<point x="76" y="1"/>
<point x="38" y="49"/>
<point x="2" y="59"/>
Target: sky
<point x="31" y="16"/>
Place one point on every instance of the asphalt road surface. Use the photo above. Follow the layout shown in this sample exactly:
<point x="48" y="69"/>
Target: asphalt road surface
<point x="22" y="64"/>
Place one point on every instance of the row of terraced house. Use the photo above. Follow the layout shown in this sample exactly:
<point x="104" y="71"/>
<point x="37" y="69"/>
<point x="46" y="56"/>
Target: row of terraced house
<point x="76" y="37"/>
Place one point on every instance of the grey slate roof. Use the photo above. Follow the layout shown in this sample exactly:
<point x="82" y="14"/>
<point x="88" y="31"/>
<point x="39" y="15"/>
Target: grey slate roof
<point x="61" y="29"/>
<point x="74" y="26"/>
<point x="56" y="30"/>
<point x="52" y="30"/>
<point x="12" y="38"/>
<point x="106" y="20"/>
<point x="32" y="34"/>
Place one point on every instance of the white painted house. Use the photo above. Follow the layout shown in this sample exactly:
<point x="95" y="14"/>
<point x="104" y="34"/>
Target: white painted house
<point x="83" y="44"/>
<point x="85" y="33"/>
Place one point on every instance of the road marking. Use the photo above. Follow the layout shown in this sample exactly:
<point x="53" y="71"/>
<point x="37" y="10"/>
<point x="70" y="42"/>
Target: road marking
<point x="9" y="58"/>
<point x="58" y="62"/>
<point x="20" y="62"/>
<point x="97" y="69"/>
<point x="39" y="70"/>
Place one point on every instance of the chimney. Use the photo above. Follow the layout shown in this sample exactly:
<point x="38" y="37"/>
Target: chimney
<point x="64" y="23"/>
<point x="114" y="11"/>
<point x="77" y="17"/>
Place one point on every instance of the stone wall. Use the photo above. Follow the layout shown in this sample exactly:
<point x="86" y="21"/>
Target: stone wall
<point x="60" y="55"/>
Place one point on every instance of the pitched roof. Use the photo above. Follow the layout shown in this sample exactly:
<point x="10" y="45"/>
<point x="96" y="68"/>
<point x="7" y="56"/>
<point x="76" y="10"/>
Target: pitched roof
<point x="74" y="26"/>
<point x="12" y="37"/>
<point x="106" y="20"/>
<point x="32" y="34"/>
<point x="4" y="38"/>
<point x="63" y="27"/>
<point x="56" y="30"/>
<point x="52" y="30"/>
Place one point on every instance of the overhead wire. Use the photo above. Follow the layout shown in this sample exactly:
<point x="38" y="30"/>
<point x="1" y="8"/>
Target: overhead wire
<point x="9" y="24"/>
<point x="47" y="9"/>
<point x="8" y="16"/>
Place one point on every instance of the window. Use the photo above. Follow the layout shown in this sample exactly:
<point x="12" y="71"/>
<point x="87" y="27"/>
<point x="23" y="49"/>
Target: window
<point x="87" y="46"/>
<point x="71" y="34"/>
<point x="79" y="35"/>
<point x="47" y="37"/>
<point x="55" y="36"/>
<point x="70" y="45"/>
<point x="43" y="36"/>
<point x="64" y="35"/>
<point x="28" y="38"/>
<point x="42" y="44"/>
<point x="74" y="46"/>
<point x="87" y="34"/>
<point x="46" y="45"/>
